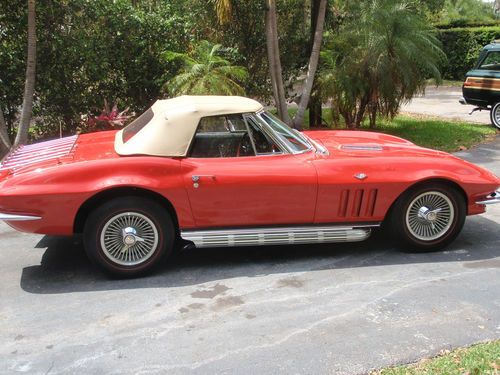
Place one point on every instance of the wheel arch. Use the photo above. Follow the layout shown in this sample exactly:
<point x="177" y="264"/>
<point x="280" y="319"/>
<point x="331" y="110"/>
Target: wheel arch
<point x="418" y="184"/>
<point x="116" y="192"/>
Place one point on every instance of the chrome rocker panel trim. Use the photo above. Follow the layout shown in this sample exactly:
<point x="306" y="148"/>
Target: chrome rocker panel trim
<point x="493" y="198"/>
<point x="11" y="217"/>
<point x="277" y="236"/>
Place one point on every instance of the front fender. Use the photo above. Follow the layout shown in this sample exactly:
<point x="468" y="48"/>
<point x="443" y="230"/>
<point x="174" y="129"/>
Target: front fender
<point x="57" y="193"/>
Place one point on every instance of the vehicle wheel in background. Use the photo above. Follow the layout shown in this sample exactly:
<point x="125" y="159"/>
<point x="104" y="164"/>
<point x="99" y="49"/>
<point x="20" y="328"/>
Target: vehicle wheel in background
<point x="128" y="236"/>
<point x="428" y="217"/>
<point x="495" y="115"/>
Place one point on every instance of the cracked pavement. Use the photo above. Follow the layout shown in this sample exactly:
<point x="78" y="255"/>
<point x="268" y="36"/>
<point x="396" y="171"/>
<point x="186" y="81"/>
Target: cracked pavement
<point x="333" y="308"/>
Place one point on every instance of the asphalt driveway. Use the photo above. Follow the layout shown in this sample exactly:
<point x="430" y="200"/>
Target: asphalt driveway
<point x="443" y="102"/>
<point x="302" y="309"/>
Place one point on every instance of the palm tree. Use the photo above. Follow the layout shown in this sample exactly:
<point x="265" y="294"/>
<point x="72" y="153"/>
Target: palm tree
<point x="380" y="59"/>
<point x="205" y="72"/>
<point x="29" y="87"/>
<point x="273" y="56"/>
<point x="224" y="14"/>
<point x="313" y="65"/>
<point x="224" y="10"/>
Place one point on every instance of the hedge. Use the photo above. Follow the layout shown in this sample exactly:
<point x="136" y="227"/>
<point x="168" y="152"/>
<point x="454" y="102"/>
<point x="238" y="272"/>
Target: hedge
<point x="462" y="22"/>
<point x="462" y="47"/>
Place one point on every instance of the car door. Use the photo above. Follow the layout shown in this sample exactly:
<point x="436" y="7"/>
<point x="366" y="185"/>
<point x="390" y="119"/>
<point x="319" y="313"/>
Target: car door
<point x="236" y="175"/>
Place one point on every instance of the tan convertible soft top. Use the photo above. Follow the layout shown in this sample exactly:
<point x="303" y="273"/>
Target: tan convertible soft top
<point x="167" y="128"/>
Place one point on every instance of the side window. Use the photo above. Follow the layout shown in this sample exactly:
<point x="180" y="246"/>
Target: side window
<point x="491" y="62"/>
<point x="221" y="137"/>
<point x="216" y="124"/>
<point x="231" y="136"/>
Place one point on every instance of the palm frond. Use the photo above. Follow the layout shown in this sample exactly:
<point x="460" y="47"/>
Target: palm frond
<point x="205" y="72"/>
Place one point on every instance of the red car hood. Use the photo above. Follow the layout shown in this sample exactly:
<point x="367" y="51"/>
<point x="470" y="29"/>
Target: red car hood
<point x="65" y="150"/>
<point x="350" y="143"/>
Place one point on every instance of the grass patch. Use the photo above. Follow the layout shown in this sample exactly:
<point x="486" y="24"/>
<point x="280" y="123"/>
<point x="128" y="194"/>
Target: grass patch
<point x="439" y="134"/>
<point x="480" y="359"/>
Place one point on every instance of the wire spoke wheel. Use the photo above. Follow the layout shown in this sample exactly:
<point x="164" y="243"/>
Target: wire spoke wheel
<point x="430" y="216"/>
<point x="129" y="238"/>
<point x="495" y="115"/>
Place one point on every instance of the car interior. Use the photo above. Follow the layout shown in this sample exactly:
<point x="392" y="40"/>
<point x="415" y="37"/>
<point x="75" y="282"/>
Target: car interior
<point x="230" y="136"/>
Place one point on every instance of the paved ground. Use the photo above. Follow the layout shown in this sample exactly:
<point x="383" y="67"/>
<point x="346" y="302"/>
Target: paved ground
<point x="304" y="309"/>
<point x="443" y="102"/>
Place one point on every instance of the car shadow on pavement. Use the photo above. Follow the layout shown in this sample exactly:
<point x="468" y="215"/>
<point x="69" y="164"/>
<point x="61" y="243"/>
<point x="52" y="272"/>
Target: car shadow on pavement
<point x="65" y="268"/>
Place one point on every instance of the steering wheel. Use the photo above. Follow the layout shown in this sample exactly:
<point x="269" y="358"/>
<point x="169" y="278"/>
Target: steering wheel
<point x="245" y="147"/>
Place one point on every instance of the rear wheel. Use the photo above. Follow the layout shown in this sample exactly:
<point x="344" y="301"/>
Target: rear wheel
<point x="495" y="115"/>
<point x="428" y="218"/>
<point x="128" y="236"/>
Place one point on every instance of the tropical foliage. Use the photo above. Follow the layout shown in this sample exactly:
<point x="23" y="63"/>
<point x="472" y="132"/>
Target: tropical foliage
<point x="454" y="11"/>
<point x="89" y="51"/>
<point x="110" y="118"/>
<point x="205" y="71"/>
<point x="378" y="60"/>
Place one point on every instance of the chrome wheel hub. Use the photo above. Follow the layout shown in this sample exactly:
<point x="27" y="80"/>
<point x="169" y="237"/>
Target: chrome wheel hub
<point x="430" y="215"/>
<point x="427" y="214"/>
<point x="129" y="238"/>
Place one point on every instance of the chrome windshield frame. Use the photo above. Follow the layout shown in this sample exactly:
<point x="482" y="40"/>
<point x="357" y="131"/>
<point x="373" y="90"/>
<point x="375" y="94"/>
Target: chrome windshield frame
<point x="270" y="131"/>
<point x="255" y="119"/>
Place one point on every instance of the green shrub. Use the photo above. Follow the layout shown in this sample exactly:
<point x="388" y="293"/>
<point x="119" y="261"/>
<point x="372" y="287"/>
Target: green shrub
<point x="87" y="51"/>
<point x="465" y="23"/>
<point x="462" y="47"/>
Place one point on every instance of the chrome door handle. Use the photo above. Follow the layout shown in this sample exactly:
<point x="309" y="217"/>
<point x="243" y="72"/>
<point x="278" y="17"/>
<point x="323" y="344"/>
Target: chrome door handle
<point x="196" y="178"/>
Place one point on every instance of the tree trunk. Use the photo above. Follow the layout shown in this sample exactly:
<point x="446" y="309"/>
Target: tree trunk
<point x="29" y="86"/>
<point x="313" y="65"/>
<point x="273" y="56"/>
<point x="315" y="102"/>
<point x="315" y="110"/>
<point x="4" y="135"/>
<point x="373" y="116"/>
<point x="360" y="112"/>
<point x="335" y="116"/>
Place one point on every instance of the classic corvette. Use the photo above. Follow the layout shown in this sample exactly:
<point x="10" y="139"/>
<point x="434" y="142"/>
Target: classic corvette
<point x="221" y="171"/>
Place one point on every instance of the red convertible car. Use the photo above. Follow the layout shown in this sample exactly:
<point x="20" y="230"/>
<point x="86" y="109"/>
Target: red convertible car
<point x="221" y="171"/>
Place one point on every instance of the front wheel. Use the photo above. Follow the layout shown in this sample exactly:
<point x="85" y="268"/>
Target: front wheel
<point x="128" y="236"/>
<point x="428" y="218"/>
<point x="495" y="115"/>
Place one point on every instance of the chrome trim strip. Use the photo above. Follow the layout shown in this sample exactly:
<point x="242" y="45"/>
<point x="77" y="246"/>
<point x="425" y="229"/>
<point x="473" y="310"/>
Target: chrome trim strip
<point x="362" y="147"/>
<point x="493" y="198"/>
<point x="277" y="236"/>
<point x="11" y="217"/>
<point x="38" y="152"/>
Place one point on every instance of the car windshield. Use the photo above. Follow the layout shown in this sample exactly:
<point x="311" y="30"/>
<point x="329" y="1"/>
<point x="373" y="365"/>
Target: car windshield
<point x="295" y="141"/>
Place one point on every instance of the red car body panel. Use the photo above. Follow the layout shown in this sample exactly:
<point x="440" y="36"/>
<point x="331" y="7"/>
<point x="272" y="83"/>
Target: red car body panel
<point x="250" y="191"/>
